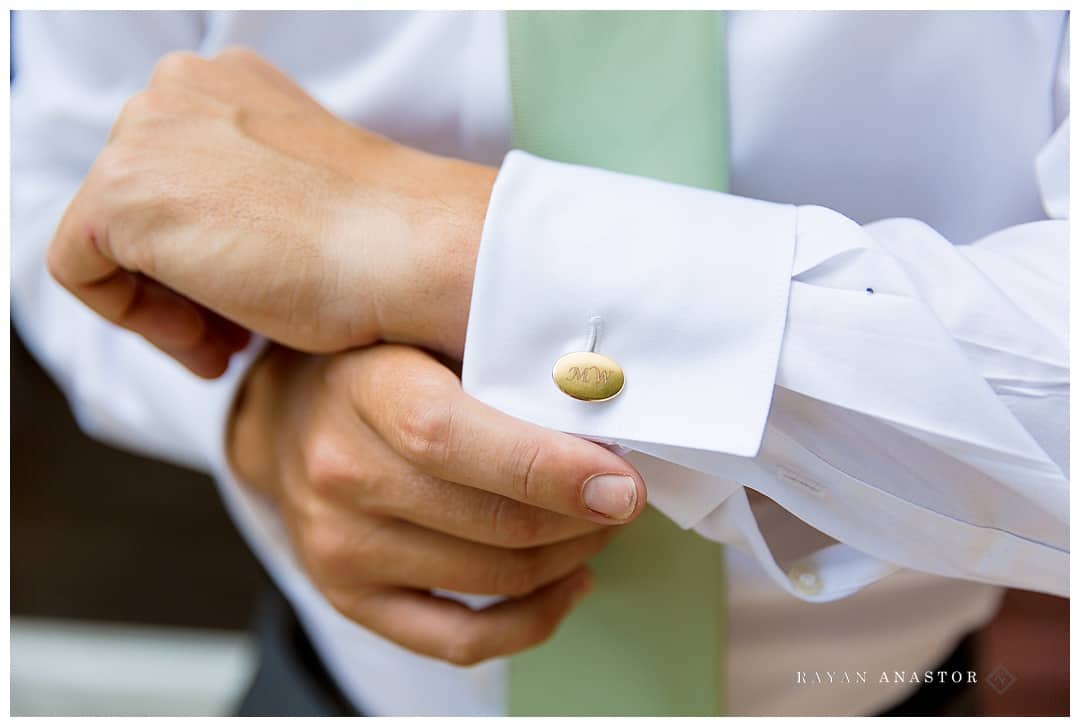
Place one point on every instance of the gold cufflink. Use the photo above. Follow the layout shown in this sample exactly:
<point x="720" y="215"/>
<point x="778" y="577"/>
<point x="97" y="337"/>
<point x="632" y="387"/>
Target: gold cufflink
<point x="587" y="375"/>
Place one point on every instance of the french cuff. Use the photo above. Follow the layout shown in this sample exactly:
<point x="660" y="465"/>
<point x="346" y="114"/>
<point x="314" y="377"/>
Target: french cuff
<point x="686" y="290"/>
<point x="818" y="575"/>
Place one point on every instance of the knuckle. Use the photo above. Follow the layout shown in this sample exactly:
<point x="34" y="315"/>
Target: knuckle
<point x="239" y="53"/>
<point x="517" y="575"/>
<point x="523" y="462"/>
<point x="176" y="65"/>
<point x="424" y="431"/>
<point x="515" y="526"/>
<point x="145" y="117"/>
<point x="121" y="194"/>
<point x="137" y="107"/>
<point x="329" y="464"/>
<point x="116" y="169"/>
<point x="345" y="602"/>
<point x="328" y="553"/>
<point x="464" y="648"/>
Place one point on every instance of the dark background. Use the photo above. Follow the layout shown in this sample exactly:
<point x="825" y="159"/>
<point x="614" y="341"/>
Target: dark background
<point x="100" y="534"/>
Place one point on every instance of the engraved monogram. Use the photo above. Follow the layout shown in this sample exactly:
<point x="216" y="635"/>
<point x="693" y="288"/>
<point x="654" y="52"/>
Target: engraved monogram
<point x="588" y="376"/>
<point x="579" y="373"/>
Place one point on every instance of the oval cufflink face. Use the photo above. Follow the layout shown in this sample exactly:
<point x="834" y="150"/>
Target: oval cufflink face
<point x="588" y="376"/>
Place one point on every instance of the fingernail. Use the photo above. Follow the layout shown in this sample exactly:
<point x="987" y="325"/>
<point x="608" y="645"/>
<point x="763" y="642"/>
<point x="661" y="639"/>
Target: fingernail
<point x="612" y="495"/>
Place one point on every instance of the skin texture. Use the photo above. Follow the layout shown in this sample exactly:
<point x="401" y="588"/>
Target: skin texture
<point x="227" y="200"/>
<point x="363" y="453"/>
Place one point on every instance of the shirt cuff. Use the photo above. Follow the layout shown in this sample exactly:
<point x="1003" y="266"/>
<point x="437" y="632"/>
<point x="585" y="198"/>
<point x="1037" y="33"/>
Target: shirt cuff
<point x="690" y="288"/>
<point x="215" y="436"/>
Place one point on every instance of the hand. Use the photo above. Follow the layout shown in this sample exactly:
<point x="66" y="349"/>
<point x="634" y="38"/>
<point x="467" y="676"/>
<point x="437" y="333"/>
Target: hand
<point x="227" y="199"/>
<point x="393" y="482"/>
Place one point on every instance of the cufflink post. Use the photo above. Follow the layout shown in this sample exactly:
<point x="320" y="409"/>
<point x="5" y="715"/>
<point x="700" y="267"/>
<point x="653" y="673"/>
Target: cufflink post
<point x="595" y="324"/>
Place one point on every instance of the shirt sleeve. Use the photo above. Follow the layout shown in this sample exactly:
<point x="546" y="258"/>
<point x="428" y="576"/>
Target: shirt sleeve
<point x="904" y="396"/>
<point x="73" y="73"/>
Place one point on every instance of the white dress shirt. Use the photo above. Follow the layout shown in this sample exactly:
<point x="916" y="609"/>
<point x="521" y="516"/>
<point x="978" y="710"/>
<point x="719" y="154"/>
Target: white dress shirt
<point x="871" y="329"/>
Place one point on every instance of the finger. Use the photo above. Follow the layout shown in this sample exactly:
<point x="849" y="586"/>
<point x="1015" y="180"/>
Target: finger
<point x="234" y="336"/>
<point x="453" y="632"/>
<point x="403" y="554"/>
<point x="205" y="354"/>
<point x="482" y="517"/>
<point x="197" y="338"/>
<point x="429" y="559"/>
<point x="360" y="471"/>
<point x="419" y="408"/>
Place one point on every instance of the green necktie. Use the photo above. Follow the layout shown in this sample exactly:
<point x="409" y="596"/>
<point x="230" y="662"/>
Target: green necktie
<point x="641" y="93"/>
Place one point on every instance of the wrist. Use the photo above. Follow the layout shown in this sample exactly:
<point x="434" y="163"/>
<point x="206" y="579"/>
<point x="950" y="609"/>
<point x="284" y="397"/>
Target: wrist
<point x="460" y="228"/>
<point x="431" y="308"/>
